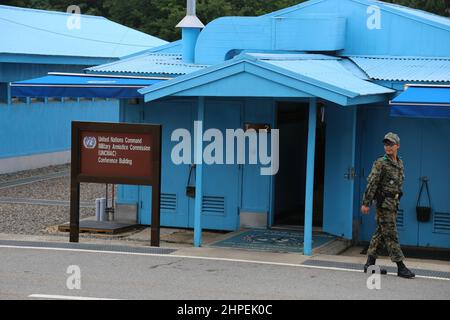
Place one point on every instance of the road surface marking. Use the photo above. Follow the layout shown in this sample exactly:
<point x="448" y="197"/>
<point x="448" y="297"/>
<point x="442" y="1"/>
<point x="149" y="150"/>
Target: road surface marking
<point x="205" y="258"/>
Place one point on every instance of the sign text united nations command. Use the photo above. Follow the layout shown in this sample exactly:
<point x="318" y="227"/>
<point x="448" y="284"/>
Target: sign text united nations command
<point x="113" y="154"/>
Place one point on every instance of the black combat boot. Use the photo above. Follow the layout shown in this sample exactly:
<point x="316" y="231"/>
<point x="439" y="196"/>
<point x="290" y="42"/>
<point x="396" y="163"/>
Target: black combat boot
<point x="371" y="260"/>
<point x="404" y="272"/>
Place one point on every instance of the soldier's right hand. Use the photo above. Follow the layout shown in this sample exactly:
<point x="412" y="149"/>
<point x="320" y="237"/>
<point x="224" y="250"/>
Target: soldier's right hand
<point x="365" y="210"/>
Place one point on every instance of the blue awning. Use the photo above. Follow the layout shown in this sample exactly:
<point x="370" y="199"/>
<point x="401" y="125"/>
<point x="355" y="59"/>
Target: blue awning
<point x="422" y="101"/>
<point x="82" y="86"/>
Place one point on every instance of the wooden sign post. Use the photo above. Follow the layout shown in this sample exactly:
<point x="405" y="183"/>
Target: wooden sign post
<point x="112" y="153"/>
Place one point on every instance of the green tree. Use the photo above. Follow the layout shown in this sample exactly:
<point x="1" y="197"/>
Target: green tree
<point x="440" y="7"/>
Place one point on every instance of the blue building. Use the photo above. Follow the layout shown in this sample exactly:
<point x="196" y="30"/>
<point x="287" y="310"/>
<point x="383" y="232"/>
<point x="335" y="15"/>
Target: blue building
<point x="35" y="132"/>
<point x="324" y="73"/>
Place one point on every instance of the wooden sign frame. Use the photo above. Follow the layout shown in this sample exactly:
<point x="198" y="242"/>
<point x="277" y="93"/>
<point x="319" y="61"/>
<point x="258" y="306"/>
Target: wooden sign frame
<point x="78" y="177"/>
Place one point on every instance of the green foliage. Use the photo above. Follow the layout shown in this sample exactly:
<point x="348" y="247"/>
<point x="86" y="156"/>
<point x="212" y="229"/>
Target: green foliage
<point x="440" y="7"/>
<point x="159" y="17"/>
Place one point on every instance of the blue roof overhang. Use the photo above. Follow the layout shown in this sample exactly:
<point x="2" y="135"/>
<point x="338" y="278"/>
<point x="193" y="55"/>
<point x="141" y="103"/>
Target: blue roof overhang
<point x="250" y="77"/>
<point x="422" y="101"/>
<point x="83" y="86"/>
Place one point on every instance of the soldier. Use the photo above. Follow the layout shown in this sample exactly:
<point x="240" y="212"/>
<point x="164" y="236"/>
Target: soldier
<point x="385" y="185"/>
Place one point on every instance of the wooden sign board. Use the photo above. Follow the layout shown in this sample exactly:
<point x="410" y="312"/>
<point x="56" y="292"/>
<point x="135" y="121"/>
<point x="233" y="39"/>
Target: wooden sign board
<point x="115" y="153"/>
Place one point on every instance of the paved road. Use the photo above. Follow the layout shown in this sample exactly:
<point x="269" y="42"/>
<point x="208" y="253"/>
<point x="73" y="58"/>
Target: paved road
<point x="26" y="272"/>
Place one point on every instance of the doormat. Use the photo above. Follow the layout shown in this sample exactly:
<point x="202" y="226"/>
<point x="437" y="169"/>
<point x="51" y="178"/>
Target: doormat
<point x="272" y="240"/>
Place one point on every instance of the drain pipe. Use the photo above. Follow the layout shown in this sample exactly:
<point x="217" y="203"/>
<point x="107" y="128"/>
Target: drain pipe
<point x="191" y="27"/>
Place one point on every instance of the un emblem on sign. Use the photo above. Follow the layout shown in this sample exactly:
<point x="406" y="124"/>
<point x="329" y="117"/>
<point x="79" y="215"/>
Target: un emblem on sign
<point x="90" y="142"/>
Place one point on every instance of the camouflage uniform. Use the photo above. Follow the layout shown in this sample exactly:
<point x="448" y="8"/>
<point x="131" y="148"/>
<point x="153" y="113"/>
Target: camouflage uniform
<point x="385" y="185"/>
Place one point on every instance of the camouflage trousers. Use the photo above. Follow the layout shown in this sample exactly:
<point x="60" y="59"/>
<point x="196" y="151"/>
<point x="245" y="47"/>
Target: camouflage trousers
<point x="386" y="233"/>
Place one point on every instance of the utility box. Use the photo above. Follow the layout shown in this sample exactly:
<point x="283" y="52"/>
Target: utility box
<point x="126" y="213"/>
<point x="100" y="210"/>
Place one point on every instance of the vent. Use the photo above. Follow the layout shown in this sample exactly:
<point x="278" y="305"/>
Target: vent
<point x="168" y="202"/>
<point x="441" y="222"/>
<point x="400" y="219"/>
<point x="213" y="205"/>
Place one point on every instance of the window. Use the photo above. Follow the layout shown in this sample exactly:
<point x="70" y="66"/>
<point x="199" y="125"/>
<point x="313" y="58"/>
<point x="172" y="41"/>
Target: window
<point x="4" y="92"/>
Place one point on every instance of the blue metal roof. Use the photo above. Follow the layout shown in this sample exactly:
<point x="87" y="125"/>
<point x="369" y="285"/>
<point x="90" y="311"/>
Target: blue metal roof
<point x="79" y="85"/>
<point x="39" y="32"/>
<point x="424" y="95"/>
<point x="290" y="56"/>
<point x="149" y="63"/>
<point x="415" y="69"/>
<point x="422" y="102"/>
<point x="172" y="47"/>
<point x="326" y="69"/>
<point x="315" y="75"/>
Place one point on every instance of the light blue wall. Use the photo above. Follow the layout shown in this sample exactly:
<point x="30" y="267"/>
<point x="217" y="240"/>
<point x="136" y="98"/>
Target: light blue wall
<point x="339" y="158"/>
<point x="254" y="190"/>
<point x="10" y="72"/>
<point x="36" y="128"/>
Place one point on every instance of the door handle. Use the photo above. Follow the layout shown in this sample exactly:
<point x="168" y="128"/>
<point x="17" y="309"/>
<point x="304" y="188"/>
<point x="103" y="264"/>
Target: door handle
<point x="351" y="174"/>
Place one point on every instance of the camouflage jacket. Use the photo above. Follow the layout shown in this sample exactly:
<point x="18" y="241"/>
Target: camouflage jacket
<point x="386" y="178"/>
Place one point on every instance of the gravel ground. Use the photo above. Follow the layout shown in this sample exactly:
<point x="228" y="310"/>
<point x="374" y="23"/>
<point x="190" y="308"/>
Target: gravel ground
<point x="56" y="189"/>
<point x="34" y="219"/>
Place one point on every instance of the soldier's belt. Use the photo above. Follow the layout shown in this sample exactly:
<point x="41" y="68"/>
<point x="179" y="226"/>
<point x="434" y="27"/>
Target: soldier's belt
<point x="394" y="196"/>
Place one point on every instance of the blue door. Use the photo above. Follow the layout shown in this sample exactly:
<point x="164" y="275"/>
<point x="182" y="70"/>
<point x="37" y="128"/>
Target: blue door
<point x="175" y="208"/>
<point x="435" y="159"/>
<point x="145" y="206"/>
<point x="221" y="182"/>
<point x="339" y="170"/>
